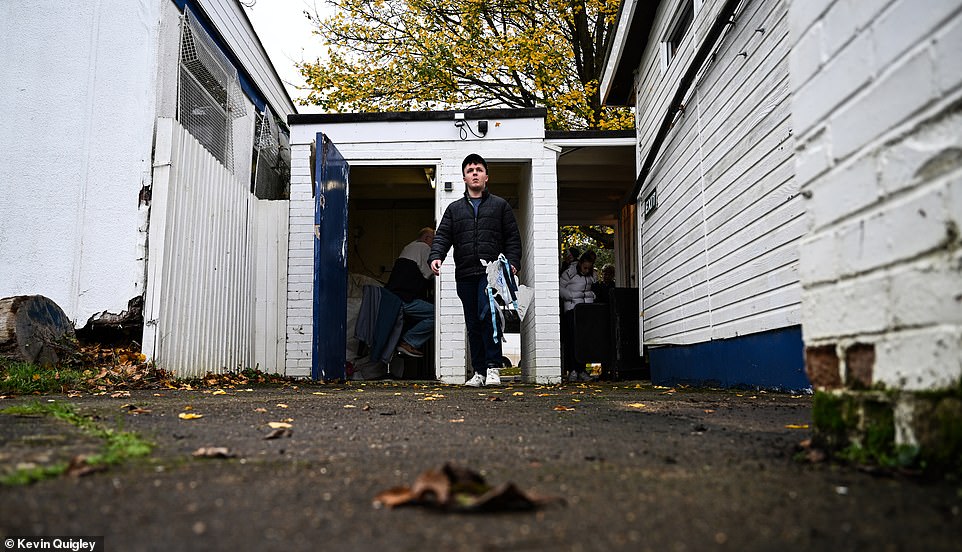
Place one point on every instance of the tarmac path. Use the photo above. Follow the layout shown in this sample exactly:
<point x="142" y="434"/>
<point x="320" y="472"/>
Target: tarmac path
<point x="641" y="468"/>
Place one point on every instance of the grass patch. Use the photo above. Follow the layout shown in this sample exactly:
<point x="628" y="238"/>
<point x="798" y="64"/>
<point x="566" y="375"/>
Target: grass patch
<point x="118" y="446"/>
<point x="23" y="378"/>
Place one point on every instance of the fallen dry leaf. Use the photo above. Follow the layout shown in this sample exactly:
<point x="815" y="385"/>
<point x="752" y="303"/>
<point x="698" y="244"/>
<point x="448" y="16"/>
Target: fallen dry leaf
<point x="213" y="452"/>
<point x="495" y="399"/>
<point x="120" y="394"/>
<point x="279" y="432"/>
<point x="349" y="406"/>
<point x="189" y="416"/>
<point x="456" y="420"/>
<point x="79" y="467"/>
<point x="280" y="405"/>
<point x="459" y="489"/>
<point x="279" y="425"/>
<point x="260" y="410"/>
<point x="796" y="426"/>
<point x="518" y="393"/>
<point x="219" y="392"/>
<point x="563" y="408"/>
<point x="636" y="405"/>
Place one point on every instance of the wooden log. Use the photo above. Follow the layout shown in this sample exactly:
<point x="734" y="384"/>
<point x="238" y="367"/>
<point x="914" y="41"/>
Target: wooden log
<point x="34" y="329"/>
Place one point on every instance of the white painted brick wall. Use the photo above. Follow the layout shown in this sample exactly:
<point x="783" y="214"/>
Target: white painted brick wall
<point x="300" y="279"/>
<point x="538" y="212"/>
<point x="879" y="157"/>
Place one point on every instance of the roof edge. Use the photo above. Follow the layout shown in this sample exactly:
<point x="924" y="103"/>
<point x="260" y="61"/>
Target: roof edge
<point x="587" y="134"/>
<point x="398" y="116"/>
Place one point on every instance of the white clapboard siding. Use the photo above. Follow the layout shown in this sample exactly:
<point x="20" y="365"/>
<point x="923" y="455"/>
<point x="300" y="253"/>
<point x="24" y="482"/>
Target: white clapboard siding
<point x="206" y="303"/>
<point x="720" y="254"/>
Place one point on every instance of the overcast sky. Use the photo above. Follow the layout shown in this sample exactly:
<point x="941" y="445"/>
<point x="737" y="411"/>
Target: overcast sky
<point x="287" y="37"/>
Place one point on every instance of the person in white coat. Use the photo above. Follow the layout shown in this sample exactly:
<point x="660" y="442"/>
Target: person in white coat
<point x="575" y="287"/>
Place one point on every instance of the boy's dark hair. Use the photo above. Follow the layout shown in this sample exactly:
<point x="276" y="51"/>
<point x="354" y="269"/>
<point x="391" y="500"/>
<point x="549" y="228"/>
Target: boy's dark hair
<point x="476" y="159"/>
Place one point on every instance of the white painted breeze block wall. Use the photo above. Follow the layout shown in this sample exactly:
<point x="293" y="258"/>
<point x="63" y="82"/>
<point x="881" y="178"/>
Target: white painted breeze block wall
<point x="876" y="91"/>
<point x="719" y="256"/>
<point x="437" y="143"/>
<point x="76" y="150"/>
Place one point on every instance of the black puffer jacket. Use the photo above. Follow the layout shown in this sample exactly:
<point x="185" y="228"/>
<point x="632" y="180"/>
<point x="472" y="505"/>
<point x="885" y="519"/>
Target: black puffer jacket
<point x="494" y="231"/>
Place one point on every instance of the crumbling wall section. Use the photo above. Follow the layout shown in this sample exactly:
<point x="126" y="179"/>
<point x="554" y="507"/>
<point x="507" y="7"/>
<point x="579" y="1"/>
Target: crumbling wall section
<point x="877" y="115"/>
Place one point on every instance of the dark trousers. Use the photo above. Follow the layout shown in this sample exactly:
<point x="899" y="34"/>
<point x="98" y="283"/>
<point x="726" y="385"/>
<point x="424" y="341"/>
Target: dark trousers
<point x="485" y="351"/>
<point x="568" y="361"/>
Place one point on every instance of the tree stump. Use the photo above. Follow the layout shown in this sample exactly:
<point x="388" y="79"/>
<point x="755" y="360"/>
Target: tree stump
<point x="34" y="329"/>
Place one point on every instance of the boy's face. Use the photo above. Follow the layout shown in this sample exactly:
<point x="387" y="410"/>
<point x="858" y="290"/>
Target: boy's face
<point x="475" y="178"/>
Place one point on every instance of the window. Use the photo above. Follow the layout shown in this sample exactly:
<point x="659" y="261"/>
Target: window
<point x="681" y="22"/>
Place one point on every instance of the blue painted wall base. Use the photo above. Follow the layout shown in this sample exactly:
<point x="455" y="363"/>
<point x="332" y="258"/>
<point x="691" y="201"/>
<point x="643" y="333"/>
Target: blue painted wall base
<point x="769" y="360"/>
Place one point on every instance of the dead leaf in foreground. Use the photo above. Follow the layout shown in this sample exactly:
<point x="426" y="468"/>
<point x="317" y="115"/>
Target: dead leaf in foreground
<point x="458" y="489"/>
<point x="79" y="467"/>
<point x="279" y="425"/>
<point x="279" y="432"/>
<point x="213" y="452"/>
<point x="189" y="416"/>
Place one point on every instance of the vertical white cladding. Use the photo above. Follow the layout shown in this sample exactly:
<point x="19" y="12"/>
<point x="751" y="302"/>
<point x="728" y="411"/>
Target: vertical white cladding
<point x="719" y="255"/>
<point x="875" y="103"/>
<point x="79" y="89"/>
<point x="434" y="142"/>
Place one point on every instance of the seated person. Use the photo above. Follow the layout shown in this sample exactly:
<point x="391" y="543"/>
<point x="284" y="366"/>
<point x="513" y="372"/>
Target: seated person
<point x="410" y="279"/>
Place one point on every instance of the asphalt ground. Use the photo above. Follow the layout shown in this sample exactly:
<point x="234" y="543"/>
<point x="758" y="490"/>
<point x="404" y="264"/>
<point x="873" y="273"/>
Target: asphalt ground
<point x="640" y="468"/>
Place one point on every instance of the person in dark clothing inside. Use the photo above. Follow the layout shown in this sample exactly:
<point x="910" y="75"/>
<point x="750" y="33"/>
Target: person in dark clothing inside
<point x="410" y="278"/>
<point x="479" y="226"/>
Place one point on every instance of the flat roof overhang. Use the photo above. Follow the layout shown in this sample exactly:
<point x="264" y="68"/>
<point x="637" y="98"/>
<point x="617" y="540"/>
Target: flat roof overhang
<point x="596" y="173"/>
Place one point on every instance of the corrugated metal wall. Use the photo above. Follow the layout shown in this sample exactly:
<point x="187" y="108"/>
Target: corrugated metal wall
<point x="216" y="267"/>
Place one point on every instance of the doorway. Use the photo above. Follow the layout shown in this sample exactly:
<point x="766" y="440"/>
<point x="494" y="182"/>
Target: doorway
<point x="387" y="207"/>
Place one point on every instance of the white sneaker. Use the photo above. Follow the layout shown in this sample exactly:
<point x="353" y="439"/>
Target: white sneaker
<point x="493" y="377"/>
<point x="476" y="381"/>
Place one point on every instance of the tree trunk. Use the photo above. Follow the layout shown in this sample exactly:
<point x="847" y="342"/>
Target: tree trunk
<point x="34" y="329"/>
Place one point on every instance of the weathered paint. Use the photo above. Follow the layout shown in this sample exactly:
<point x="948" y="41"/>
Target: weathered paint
<point x="330" y="263"/>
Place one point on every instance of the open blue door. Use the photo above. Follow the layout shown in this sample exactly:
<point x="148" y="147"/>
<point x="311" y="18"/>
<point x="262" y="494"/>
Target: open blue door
<point x="330" y="262"/>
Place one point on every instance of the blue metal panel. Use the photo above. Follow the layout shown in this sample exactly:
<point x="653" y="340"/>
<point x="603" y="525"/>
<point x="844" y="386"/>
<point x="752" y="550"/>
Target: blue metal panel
<point x="767" y="360"/>
<point x="330" y="262"/>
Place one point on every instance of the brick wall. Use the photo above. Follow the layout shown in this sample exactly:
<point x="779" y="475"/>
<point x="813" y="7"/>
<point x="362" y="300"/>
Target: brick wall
<point x="877" y="117"/>
<point x="537" y="214"/>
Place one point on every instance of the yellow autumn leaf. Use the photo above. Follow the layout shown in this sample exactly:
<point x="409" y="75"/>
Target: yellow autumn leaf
<point x="796" y="426"/>
<point x="318" y="393"/>
<point x="349" y="406"/>
<point x="518" y="393"/>
<point x="219" y="392"/>
<point x="189" y="416"/>
<point x="279" y="425"/>
<point x="636" y="405"/>
<point x="563" y="408"/>
<point x="280" y="405"/>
